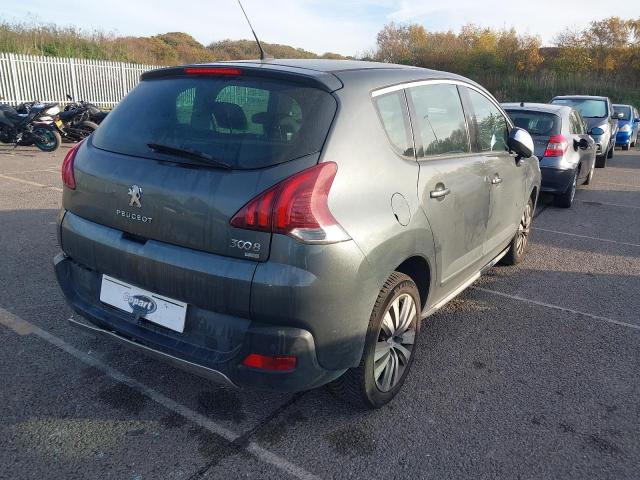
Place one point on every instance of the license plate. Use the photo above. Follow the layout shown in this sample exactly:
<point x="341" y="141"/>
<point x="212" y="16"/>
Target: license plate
<point x="155" y="308"/>
<point x="59" y="123"/>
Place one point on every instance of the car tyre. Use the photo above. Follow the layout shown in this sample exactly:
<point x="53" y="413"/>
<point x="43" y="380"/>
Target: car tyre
<point x="589" y="178"/>
<point x="626" y="146"/>
<point x="389" y="349"/>
<point x="565" y="200"/>
<point x="611" y="151"/>
<point x="601" y="162"/>
<point x="520" y="241"/>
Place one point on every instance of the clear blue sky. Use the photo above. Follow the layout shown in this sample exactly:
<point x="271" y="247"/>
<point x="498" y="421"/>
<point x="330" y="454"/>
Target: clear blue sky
<point x="346" y="27"/>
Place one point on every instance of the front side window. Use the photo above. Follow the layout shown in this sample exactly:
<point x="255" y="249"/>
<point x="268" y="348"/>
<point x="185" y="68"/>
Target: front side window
<point x="440" y="119"/>
<point x="392" y="109"/>
<point x="491" y="125"/>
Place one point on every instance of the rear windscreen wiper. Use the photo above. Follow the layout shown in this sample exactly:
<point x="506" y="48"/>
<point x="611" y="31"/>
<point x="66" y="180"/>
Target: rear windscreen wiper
<point x="201" y="157"/>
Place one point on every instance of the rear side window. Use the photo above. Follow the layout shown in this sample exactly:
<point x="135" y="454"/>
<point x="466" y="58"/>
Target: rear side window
<point x="392" y="110"/>
<point x="491" y="125"/>
<point x="536" y="123"/>
<point x="244" y="122"/>
<point x="577" y="123"/>
<point x="440" y="120"/>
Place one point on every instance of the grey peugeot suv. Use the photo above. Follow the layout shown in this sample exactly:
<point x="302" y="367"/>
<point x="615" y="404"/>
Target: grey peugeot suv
<point x="287" y="224"/>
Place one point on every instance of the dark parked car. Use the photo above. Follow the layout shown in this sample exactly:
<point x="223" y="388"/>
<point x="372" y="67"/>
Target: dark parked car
<point x="566" y="152"/>
<point x="628" y="123"/>
<point x="601" y="120"/>
<point x="287" y="224"/>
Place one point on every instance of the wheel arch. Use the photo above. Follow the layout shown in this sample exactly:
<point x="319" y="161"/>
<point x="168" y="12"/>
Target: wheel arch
<point x="419" y="270"/>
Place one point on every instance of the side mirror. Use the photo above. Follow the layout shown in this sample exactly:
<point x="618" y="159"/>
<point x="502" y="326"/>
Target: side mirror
<point x="520" y="142"/>
<point x="637" y="120"/>
<point x="596" y="131"/>
<point x="582" y="144"/>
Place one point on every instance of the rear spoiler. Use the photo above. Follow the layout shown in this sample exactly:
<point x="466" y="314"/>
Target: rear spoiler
<point x="312" y="78"/>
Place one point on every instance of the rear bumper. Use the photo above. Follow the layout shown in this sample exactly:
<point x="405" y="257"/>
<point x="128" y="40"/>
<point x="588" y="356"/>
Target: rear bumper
<point x="213" y="347"/>
<point x="555" y="180"/>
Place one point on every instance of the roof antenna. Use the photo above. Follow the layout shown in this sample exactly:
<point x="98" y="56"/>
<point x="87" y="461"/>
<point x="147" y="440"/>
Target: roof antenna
<point x="263" y="55"/>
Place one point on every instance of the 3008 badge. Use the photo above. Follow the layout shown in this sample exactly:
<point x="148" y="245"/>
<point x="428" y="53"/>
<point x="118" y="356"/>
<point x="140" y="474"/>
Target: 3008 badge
<point x="251" y="250"/>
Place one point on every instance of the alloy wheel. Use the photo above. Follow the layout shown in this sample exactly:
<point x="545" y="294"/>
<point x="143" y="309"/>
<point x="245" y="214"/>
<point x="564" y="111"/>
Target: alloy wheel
<point x="395" y="342"/>
<point x="524" y="228"/>
<point x="574" y="185"/>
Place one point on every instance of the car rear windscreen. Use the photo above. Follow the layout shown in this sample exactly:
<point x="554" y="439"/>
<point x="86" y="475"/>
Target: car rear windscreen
<point x="587" y="107"/>
<point x="243" y="122"/>
<point x="624" y="110"/>
<point x="536" y="123"/>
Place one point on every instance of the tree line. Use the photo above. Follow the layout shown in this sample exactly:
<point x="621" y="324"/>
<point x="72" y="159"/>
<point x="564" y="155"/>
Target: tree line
<point x="602" y="58"/>
<point x="171" y="48"/>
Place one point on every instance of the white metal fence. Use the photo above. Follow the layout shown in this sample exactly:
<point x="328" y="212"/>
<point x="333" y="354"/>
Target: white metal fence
<point x="25" y="78"/>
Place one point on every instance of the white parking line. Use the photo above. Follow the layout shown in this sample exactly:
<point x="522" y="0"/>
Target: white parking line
<point x="50" y="169"/>
<point x="587" y="237"/>
<point x="28" y="182"/>
<point x="593" y="202"/>
<point x="626" y="170"/>
<point x="22" y="327"/>
<point x="557" y="307"/>
<point x="619" y="184"/>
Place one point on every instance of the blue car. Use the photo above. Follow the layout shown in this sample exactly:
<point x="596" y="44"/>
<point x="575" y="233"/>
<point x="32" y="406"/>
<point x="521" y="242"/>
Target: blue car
<point x="628" y="122"/>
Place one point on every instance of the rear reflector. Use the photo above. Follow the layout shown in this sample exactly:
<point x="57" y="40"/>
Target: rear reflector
<point x="234" y="72"/>
<point x="556" y="147"/>
<point x="68" y="178"/>
<point x="279" y="363"/>
<point x="297" y="206"/>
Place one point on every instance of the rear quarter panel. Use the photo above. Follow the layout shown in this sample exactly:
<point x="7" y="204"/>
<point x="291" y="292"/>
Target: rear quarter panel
<point x="369" y="174"/>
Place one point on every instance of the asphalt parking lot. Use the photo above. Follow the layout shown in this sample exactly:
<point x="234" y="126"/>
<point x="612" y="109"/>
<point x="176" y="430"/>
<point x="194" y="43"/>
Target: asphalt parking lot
<point x="531" y="373"/>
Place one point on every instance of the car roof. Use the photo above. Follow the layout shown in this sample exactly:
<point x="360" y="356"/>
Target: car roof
<point x="623" y="105"/>
<point x="326" y="65"/>
<point x="330" y="74"/>
<point x="585" y="97"/>
<point x="538" y="107"/>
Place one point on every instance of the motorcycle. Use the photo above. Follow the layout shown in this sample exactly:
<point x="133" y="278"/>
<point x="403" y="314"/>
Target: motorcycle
<point x="90" y="111"/>
<point x="71" y="124"/>
<point x="28" y="128"/>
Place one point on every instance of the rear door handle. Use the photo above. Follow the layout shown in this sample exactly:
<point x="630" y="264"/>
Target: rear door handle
<point x="440" y="193"/>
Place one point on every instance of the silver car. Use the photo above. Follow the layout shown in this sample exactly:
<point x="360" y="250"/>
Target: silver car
<point x="566" y="151"/>
<point x="602" y="122"/>
<point x="288" y="224"/>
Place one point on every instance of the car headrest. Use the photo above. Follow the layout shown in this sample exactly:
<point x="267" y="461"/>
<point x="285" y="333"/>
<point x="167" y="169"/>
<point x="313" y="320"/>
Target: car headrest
<point x="544" y="125"/>
<point x="229" y="116"/>
<point x="521" y="122"/>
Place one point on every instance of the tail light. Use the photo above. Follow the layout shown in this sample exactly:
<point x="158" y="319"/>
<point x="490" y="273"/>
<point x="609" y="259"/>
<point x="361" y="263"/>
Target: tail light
<point x="279" y="363"/>
<point x="556" y="147"/>
<point x="68" y="178"/>
<point x="297" y="206"/>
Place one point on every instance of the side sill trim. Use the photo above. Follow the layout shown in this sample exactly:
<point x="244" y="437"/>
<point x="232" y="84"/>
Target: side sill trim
<point x="464" y="285"/>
